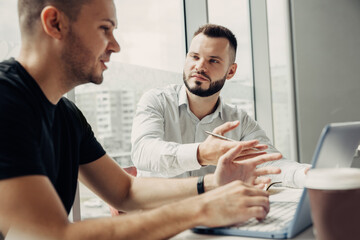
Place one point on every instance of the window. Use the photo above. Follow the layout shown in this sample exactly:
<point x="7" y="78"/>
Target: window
<point x="234" y="14"/>
<point x="9" y="30"/>
<point x="152" y="41"/>
<point x="281" y="77"/>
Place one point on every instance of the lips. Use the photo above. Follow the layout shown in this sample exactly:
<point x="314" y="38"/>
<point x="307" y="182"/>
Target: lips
<point x="103" y="63"/>
<point x="200" y="77"/>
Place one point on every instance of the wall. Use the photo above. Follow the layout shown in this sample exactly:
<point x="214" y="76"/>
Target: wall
<point x="326" y="38"/>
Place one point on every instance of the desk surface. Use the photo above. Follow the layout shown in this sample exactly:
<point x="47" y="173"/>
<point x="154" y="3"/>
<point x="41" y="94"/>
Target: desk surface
<point x="188" y="235"/>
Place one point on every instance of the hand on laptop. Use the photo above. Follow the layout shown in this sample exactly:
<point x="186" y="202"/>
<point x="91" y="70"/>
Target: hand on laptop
<point x="230" y="168"/>
<point x="233" y="203"/>
<point x="213" y="148"/>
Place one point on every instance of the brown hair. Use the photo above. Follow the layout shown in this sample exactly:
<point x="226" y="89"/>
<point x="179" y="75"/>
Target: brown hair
<point x="217" y="31"/>
<point x="30" y="10"/>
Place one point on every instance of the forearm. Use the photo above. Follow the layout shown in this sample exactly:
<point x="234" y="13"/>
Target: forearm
<point x="147" y="193"/>
<point x="292" y="173"/>
<point x="160" y="223"/>
<point x="169" y="158"/>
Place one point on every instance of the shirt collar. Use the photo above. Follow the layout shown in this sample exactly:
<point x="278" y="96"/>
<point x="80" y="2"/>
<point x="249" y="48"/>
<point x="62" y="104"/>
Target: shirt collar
<point x="183" y="100"/>
<point x="183" y="96"/>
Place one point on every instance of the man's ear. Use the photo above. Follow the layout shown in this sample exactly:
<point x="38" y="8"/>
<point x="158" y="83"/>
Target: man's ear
<point x="232" y="71"/>
<point x="52" y="21"/>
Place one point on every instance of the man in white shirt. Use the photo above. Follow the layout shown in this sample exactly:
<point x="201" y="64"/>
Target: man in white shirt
<point x="168" y="136"/>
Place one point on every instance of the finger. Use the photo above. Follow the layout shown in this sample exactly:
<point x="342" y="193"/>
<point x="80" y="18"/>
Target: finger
<point x="260" y="186"/>
<point x="259" y="201"/>
<point x="251" y="144"/>
<point x="248" y="156"/>
<point x="261" y="146"/>
<point x="254" y="192"/>
<point x="258" y="147"/>
<point x="262" y="180"/>
<point x="267" y="170"/>
<point x="226" y="127"/>
<point x="230" y="155"/>
<point x="257" y="212"/>
<point x="250" y="151"/>
<point x="266" y="158"/>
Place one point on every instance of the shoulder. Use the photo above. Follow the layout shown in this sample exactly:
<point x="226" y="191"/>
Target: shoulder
<point x="69" y="109"/>
<point x="162" y="95"/>
<point x="9" y="76"/>
<point x="69" y="112"/>
<point x="233" y="112"/>
<point x="168" y="91"/>
<point x="16" y="95"/>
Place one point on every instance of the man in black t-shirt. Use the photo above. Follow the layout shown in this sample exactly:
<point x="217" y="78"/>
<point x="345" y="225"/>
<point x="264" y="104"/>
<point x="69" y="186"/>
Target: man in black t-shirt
<point x="46" y="143"/>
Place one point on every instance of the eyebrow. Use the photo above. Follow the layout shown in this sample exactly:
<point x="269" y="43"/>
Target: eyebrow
<point x="109" y="20"/>
<point x="217" y="57"/>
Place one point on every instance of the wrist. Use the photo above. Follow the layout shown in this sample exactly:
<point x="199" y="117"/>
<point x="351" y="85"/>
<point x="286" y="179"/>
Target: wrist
<point x="199" y="156"/>
<point x="200" y="185"/>
<point x="209" y="182"/>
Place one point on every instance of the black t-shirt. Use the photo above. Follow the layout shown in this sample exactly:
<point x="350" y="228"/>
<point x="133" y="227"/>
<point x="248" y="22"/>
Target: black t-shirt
<point x="39" y="138"/>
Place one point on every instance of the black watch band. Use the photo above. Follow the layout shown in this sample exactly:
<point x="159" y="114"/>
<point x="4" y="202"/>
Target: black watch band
<point x="200" y="185"/>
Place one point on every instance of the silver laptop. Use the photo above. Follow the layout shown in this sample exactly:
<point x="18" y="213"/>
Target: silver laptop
<point x="338" y="146"/>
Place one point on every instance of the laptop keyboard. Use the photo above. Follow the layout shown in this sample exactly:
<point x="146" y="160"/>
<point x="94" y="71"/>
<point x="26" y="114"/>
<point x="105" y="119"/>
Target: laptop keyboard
<point x="281" y="213"/>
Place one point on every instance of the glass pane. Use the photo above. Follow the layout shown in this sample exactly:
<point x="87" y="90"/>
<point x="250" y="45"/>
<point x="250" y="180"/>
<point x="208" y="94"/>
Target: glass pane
<point x="281" y="77"/>
<point x="152" y="41"/>
<point x="239" y="90"/>
<point x="9" y="30"/>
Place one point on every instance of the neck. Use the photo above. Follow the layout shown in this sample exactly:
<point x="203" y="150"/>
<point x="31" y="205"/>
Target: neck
<point x="46" y="71"/>
<point x="202" y="106"/>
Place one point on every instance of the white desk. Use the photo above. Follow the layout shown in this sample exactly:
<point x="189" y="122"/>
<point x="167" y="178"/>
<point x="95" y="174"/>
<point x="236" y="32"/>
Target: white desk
<point x="188" y="235"/>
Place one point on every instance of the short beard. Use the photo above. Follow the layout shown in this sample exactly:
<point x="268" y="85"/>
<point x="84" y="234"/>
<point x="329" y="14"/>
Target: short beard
<point x="76" y="59"/>
<point x="214" y="87"/>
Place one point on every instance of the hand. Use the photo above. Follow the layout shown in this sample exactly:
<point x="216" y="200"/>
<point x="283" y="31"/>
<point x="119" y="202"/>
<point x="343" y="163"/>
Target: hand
<point x="114" y="212"/>
<point x="234" y="203"/>
<point x="230" y="168"/>
<point x="213" y="148"/>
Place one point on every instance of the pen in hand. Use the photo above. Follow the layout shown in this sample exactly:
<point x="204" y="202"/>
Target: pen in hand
<point x="225" y="138"/>
<point x="219" y="136"/>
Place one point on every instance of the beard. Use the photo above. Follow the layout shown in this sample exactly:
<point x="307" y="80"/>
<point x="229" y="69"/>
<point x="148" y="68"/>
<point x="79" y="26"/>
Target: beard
<point x="215" y="86"/>
<point x="77" y="62"/>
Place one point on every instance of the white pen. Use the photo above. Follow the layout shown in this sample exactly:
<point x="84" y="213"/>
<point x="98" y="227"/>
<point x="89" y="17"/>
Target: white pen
<point x="225" y="138"/>
<point x="219" y="136"/>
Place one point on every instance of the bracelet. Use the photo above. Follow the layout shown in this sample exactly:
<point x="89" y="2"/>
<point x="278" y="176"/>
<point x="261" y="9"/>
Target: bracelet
<point x="200" y="185"/>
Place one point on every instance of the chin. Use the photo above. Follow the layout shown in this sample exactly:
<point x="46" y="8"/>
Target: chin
<point x="97" y="79"/>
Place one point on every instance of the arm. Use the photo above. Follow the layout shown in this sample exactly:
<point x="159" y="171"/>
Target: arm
<point x="125" y="192"/>
<point x="32" y="208"/>
<point x="150" y="151"/>
<point x="293" y="173"/>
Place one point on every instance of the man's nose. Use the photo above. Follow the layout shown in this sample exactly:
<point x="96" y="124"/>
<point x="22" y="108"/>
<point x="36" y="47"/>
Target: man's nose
<point x="200" y="66"/>
<point x="114" y="45"/>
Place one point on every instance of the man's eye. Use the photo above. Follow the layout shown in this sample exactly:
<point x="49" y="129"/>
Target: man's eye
<point x="195" y="57"/>
<point x="105" y="28"/>
<point x="214" y="61"/>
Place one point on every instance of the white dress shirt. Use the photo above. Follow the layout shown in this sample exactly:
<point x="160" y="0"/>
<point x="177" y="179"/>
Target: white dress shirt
<point x="166" y="135"/>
